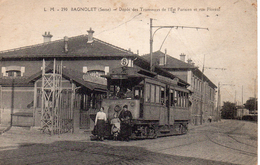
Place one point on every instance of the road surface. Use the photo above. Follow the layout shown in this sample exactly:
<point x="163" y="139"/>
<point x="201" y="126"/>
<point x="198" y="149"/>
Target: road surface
<point x="225" y="142"/>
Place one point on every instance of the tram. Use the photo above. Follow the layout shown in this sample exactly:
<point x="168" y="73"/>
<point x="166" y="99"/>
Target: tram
<point x="159" y="105"/>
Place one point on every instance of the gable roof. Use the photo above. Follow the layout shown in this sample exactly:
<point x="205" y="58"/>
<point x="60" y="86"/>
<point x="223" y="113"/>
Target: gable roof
<point x="171" y="63"/>
<point x="77" y="47"/>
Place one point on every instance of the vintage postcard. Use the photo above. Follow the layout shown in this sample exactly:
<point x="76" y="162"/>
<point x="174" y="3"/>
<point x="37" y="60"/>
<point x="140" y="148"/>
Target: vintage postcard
<point x="83" y="81"/>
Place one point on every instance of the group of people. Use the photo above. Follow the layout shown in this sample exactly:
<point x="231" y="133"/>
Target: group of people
<point x="120" y="124"/>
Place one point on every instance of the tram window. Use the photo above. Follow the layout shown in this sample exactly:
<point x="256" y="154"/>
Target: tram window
<point x="179" y="98"/>
<point x="176" y="98"/>
<point x="148" y="94"/>
<point x="137" y="94"/>
<point x="152" y="93"/>
<point x="162" y="95"/>
<point x="183" y="99"/>
<point x="172" y="97"/>
<point x="157" y="94"/>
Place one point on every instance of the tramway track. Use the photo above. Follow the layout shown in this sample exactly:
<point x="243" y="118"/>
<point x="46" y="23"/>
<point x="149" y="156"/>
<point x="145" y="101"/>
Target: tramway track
<point x="232" y="148"/>
<point x="241" y="142"/>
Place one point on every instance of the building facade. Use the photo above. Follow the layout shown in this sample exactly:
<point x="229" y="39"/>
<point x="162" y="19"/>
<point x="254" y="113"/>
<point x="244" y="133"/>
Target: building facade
<point x="203" y="108"/>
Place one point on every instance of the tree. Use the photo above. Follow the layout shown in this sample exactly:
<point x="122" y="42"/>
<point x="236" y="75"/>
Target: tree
<point x="251" y="104"/>
<point x="228" y="110"/>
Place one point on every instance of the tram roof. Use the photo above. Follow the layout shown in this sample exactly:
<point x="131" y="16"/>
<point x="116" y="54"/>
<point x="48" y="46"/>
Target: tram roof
<point x="137" y="72"/>
<point x="131" y="72"/>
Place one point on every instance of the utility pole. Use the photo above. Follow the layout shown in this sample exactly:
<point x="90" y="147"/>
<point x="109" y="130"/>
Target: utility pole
<point x="242" y="101"/>
<point x="202" y="86"/>
<point x="242" y="96"/>
<point x="151" y="44"/>
<point x="235" y="101"/>
<point x="219" y="102"/>
<point x="161" y="27"/>
<point x="255" y="98"/>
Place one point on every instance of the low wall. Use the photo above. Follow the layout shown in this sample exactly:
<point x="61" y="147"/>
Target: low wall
<point x="22" y="119"/>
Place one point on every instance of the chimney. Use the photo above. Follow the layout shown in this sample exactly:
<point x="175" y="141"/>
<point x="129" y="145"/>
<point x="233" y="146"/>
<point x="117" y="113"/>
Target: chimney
<point x="193" y="64"/>
<point x="66" y="40"/>
<point x="90" y="35"/>
<point x="46" y="37"/>
<point x="189" y="61"/>
<point x="182" y="57"/>
<point x="165" y="58"/>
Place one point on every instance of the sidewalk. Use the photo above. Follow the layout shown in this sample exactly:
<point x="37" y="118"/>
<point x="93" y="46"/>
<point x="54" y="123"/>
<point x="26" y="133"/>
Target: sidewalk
<point x="24" y="136"/>
<point x="17" y="136"/>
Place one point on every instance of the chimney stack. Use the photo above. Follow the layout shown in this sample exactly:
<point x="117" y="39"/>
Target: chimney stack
<point x="66" y="48"/>
<point x="90" y="35"/>
<point x="165" y="57"/>
<point x="182" y="57"/>
<point x="189" y="61"/>
<point x="46" y="37"/>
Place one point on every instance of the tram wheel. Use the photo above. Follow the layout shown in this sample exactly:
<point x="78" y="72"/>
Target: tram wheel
<point x="154" y="133"/>
<point x="181" y="129"/>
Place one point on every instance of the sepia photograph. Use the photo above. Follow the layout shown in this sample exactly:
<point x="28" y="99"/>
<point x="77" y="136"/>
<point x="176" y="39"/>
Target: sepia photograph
<point x="128" y="82"/>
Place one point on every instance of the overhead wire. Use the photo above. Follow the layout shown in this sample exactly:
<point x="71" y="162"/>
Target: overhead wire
<point x="182" y="40"/>
<point x="120" y="24"/>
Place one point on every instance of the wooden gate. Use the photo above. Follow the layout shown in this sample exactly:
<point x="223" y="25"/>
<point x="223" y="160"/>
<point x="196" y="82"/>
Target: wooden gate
<point x="66" y="111"/>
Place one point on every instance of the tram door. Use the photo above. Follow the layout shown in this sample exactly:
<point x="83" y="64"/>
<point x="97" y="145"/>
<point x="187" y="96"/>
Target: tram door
<point x="167" y="101"/>
<point x="138" y="94"/>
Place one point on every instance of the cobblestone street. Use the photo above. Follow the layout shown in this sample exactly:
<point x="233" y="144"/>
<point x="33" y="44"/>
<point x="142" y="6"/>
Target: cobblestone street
<point x="225" y="142"/>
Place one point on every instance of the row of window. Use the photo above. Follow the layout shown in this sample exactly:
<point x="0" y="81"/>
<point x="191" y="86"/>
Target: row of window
<point x="207" y="90"/>
<point x="18" y="71"/>
<point x="156" y="94"/>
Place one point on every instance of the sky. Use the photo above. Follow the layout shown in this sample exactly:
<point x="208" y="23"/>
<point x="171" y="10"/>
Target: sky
<point x="228" y="49"/>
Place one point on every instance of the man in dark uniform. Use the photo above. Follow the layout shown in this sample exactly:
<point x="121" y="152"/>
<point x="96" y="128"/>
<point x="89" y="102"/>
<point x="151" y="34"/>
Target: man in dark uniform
<point x="125" y="117"/>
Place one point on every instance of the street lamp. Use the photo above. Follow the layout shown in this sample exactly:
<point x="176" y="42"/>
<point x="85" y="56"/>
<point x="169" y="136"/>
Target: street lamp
<point x="158" y="28"/>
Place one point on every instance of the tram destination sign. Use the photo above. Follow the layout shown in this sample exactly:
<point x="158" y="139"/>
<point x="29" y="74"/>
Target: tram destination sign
<point x="119" y="76"/>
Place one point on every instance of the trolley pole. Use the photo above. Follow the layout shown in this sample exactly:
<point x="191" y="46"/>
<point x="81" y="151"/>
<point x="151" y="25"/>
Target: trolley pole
<point x="151" y="44"/>
<point x="161" y="27"/>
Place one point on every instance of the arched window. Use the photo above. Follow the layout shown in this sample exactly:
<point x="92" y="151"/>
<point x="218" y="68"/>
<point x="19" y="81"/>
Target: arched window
<point x="13" y="73"/>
